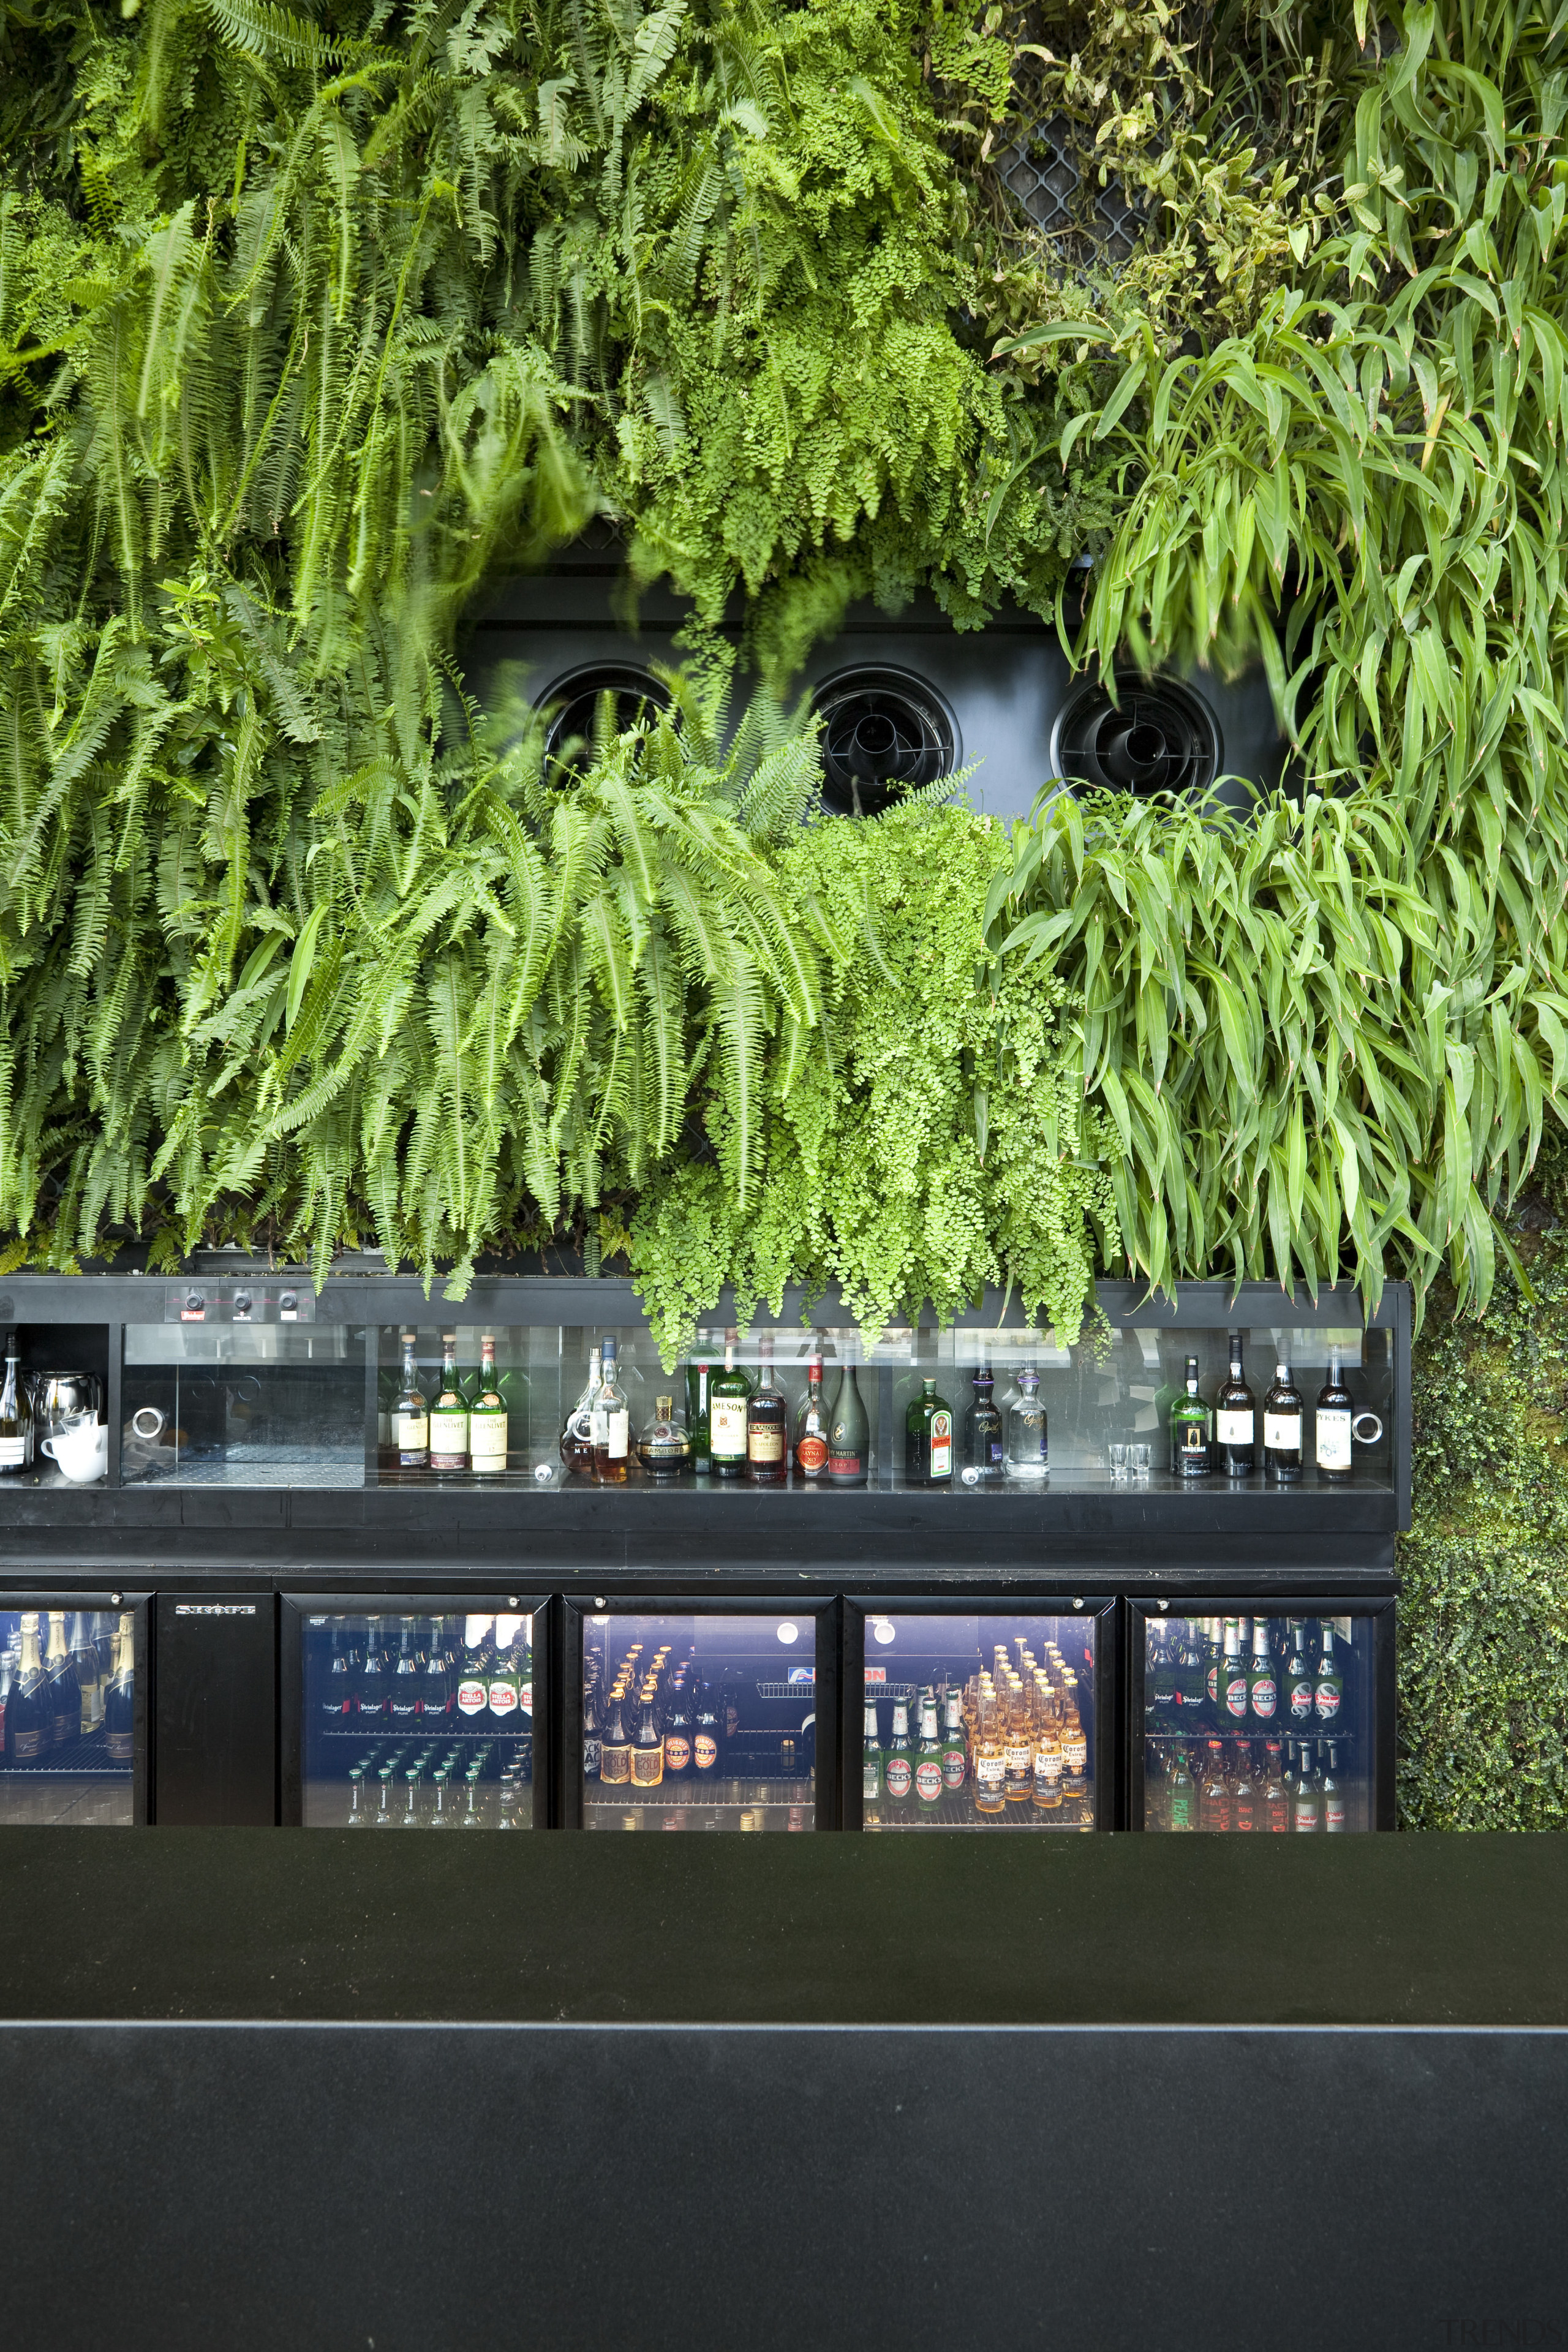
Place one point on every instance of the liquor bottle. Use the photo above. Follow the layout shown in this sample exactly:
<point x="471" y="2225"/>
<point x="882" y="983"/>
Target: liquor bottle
<point x="1336" y="1409"/>
<point x="1190" y="1429"/>
<point x="928" y="1760"/>
<point x="577" y="1429"/>
<point x="1333" y="1790"/>
<point x="84" y="1660"/>
<point x="29" y="1715"/>
<point x="707" y="1734"/>
<point x="1029" y="1451"/>
<point x="1276" y="1805"/>
<point x="488" y="1435"/>
<point x="404" y="1696"/>
<point x="648" y="1747"/>
<point x="615" y="1748"/>
<point x="120" y="1698"/>
<point x="1183" y="1800"/>
<point x="1328" y="1689"/>
<point x="928" y="1432"/>
<point x="1282" y="1411"/>
<point x="1246" y="1808"/>
<point x="16" y="1430"/>
<point x="873" y="1781"/>
<point x="698" y="1374"/>
<point x="848" y="1435"/>
<point x="898" y="1770"/>
<point x="435" y="1684"/>
<point x="65" y="1692"/>
<point x="410" y="1414"/>
<point x="449" y="1414"/>
<point x="1306" y="1804"/>
<point x="990" y="1764"/>
<point x="954" y="1746"/>
<point x="473" y="1681"/>
<point x="664" y="1449"/>
<point x="729" y="1393"/>
<point x="984" y="1446"/>
<point x="1235" y="1420"/>
<point x="1262" y="1683"/>
<point x="1299" y="1684"/>
<point x="1214" y="1795"/>
<point x="811" y="1425"/>
<point x="767" y="1424"/>
<point x="612" y="1423"/>
<point x="1233" y="1684"/>
<point x="677" y="1733"/>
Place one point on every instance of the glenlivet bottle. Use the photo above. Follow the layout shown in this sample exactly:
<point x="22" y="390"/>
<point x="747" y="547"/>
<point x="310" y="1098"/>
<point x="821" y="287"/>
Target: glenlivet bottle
<point x="1235" y="1420"/>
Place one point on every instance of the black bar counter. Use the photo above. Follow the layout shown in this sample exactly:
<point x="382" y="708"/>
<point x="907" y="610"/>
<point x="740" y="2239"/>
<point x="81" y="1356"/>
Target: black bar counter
<point x="353" y="2090"/>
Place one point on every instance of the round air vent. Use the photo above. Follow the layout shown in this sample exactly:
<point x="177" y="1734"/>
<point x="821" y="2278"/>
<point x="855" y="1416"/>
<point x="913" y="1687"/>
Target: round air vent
<point x="884" y="733"/>
<point x="1160" y="737"/>
<point x="572" y="707"/>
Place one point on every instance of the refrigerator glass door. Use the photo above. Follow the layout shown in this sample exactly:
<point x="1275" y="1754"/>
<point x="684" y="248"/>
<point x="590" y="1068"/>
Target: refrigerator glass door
<point x="978" y="1723"/>
<point x="68" y="1693"/>
<point x="700" y="1722"/>
<point x="417" y="1722"/>
<point x="1257" y="1723"/>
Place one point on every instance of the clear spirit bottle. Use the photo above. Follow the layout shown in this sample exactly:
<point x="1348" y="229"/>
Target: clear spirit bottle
<point x="1028" y="1452"/>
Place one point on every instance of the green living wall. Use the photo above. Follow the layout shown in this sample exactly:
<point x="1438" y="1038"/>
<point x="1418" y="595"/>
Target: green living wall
<point x="316" y="324"/>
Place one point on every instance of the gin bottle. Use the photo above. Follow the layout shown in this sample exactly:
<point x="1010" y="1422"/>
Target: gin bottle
<point x="1028" y="1454"/>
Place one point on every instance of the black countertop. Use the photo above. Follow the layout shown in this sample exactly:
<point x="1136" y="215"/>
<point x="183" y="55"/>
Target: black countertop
<point x="271" y="1924"/>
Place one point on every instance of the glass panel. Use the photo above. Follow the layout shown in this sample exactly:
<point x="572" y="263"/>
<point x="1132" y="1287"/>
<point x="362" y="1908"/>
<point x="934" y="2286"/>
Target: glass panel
<point x="700" y="1723"/>
<point x="68" y="1693"/>
<point x="279" y="1405"/>
<point x="978" y="1723"/>
<point x="417" y="1723"/>
<point x="1257" y="1722"/>
<point x="968" y="1410"/>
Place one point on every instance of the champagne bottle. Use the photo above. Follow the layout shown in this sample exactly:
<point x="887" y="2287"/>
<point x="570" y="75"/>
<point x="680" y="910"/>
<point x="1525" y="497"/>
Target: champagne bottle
<point x="119" y="1699"/>
<point x="30" y="1720"/>
<point x="16" y="1415"/>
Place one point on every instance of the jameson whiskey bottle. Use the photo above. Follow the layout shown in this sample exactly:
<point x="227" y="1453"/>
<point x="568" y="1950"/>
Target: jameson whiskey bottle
<point x="873" y="1781"/>
<point x="1190" y="1429"/>
<point x="811" y="1425"/>
<point x="1282" y="1411"/>
<point x="848" y="1435"/>
<point x="487" y="1416"/>
<point x="1336" y="1409"/>
<point x="928" y="1433"/>
<point x="767" y="1424"/>
<point x="449" y="1414"/>
<point x="984" y="1447"/>
<point x="729" y="1393"/>
<point x="1235" y="1420"/>
<point x="410" y="1414"/>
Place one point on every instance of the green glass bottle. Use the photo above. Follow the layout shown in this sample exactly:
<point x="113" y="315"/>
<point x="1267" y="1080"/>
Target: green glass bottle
<point x="1190" y="1448"/>
<point x="872" y="1786"/>
<point x="848" y="1435"/>
<point x="927" y="1449"/>
<point x="729" y="1393"/>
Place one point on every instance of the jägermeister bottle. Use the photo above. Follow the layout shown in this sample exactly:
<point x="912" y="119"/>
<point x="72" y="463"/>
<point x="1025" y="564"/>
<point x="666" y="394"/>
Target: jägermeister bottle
<point x="928" y="1450"/>
<point x="1190" y="1429"/>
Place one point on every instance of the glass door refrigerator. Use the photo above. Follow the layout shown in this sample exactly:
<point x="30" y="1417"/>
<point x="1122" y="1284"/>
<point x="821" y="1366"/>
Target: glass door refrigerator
<point x="989" y="1713"/>
<point x="1262" y="1713"/>
<point x="73" y="1715"/>
<point x="700" y="1715"/>
<point x="414" y="1711"/>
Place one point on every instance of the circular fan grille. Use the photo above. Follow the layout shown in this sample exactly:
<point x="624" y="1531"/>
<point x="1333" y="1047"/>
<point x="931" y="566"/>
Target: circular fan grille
<point x="1159" y="737"/>
<point x="883" y="734"/>
<point x="574" y="704"/>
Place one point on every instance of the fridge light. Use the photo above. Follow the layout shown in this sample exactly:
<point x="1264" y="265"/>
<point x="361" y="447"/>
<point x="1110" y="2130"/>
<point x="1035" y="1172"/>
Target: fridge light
<point x="788" y="1633"/>
<point x="883" y="1629"/>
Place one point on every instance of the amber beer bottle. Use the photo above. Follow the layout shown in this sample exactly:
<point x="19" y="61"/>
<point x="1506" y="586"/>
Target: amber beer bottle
<point x="648" y="1747"/>
<point x="1306" y="1806"/>
<point x="614" y="1747"/>
<point x="1214" y="1798"/>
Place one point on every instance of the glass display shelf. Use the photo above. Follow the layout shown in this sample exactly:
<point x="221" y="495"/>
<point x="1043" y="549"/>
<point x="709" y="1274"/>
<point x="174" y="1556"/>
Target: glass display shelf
<point x="282" y="1405"/>
<point x="67" y="1704"/>
<point x="1257" y="1722"/>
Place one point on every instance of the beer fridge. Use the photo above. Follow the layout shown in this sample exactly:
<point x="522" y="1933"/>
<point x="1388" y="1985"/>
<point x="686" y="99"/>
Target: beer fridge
<point x="73" y="1714"/>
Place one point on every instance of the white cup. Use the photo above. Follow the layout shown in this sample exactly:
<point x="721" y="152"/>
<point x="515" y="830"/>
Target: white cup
<point x="80" y="1450"/>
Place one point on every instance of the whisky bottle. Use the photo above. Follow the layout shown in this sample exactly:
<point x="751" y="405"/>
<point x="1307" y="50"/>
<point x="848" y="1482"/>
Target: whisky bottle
<point x="729" y="1393"/>
<point x="612" y="1424"/>
<point x="811" y="1425"/>
<point x="120" y="1698"/>
<point x="1282" y="1411"/>
<point x="1190" y="1429"/>
<point x="664" y="1449"/>
<point x="16" y="1430"/>
<point x="577" y="1430"/>
<point x="848" y="1435"/>
<point x="928" y="1431"/>
<point x="983" y="1438"/>
<point x="488" y="1438"/>
<point x="1235" y="1420"/>
<point x="767" y="1426"/>
<point x="449" y="1414"/>
<point x="1336" y="1409"/>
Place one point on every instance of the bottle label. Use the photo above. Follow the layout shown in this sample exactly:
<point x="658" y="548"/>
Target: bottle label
<point x="472" y="1698"/>
<point x="871" y="1780"/>
<point x="486" y="1434"/>
<point x="1016" y="1760"/>
<point x="811" y="1454"/>
<point x="1301" y="1701"/>
<point x="705" y="1751"/>
<point x="727" y="1428"/>
<point x="846" y="1465"/>
<point x="1282" y="1432"/>
<point x="598" y="1425"/>
<point x="677" y="1752"/>
<point x="954" y="1768"/>
<point x="503" y="1698"/>
<point x="1333" y="1812"/>
<point x="590" y="1759"/>
<point x="990" y="1772"/>
<point x="1235" y="1428"/>
<point x="1306" y="1812"/>
<point x="1246" y="1813"/>
<point x="647" y="1767"/>
<point x="1328" y="1700"/>
<point x="1182" y="1811"/>
<point x="614" y="1763"/>
<point x="1278" y="1813"/>
<point x="449" y="1440"/>
<point x="1265" y="1697"/>
<point x="928" y="1779"/>
<point x="1335" y="1437"/>
<point x="1047" y="1764"/>
<point x="942" y="1445"/>
<point x="1214" y="1682"/>
<point x="410" y="1431"/>
<point x="901" y="1776"/>
<point x="1193" y="1436"/>
<point x="766" y="1441"/>
<point x="1236" y="1694"/>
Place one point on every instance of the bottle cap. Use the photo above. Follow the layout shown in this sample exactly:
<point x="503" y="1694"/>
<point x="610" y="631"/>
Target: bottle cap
<point x="449" y="1338"/>
<point x="664" y="1407"/>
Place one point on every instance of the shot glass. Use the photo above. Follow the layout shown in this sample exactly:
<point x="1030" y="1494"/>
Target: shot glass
<point x="1118" y="1465"/>
<point x="1138" y="1459"/>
